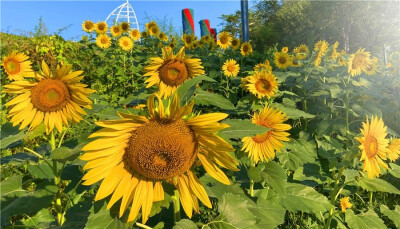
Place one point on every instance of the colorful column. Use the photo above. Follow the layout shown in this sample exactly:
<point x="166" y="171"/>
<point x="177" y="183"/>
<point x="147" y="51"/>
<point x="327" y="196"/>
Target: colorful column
<point x="244" y="6"/>
<point x="188" y="21"/>
<point x="205" y="27"/>
<point x="213" y="32"/>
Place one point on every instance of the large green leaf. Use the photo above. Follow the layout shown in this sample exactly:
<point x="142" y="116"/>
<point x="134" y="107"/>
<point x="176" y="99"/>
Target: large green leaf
<point x="292" y="113"/>
<point x="18" y="159"/>
<point x="42" y="219"/>
<point x="206" y="98"/>
<point x="297" y="153"/>
<point x="234" y="213"/>
<point x="41" y="170"/>
<point x="186" y="90"/>
<point x="10" y="136"/>
<point x="275" y="176"/>
<point x="377" y="185"/>
<point x="100" y="217"/>
<point x="393" y="215"/>
<point x="30" y="202"/>
<point x="364" y="220"/>
<point x="242" y="128"/>
<point x="268" y="214"/>
<point x="394" y="170"/>
<point x="185" y="224"/>
<point x="304" y="198"/>
<point x="11" y="188"/>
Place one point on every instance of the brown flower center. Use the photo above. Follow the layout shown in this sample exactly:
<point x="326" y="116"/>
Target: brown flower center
<point x="161" y="149"/>
<point x="234" y="43"/>
<point x="88" y="25"/>
<point x="104" y="40"/>
<point x="282" y="60"/>
<point x="371" y="146"/>
<point x="173" y="72"/>
<point x="245" y="48"/>
<point x="13" y="67"/>
<point x="230" y="67"/>
<point x="263" y="86"/>
<point x="125" y="43"/>
<point x="101" y="27"/>
<point x="125" y="26"/>
<point x="224" y="40"/>
<point x="50" y="95"/>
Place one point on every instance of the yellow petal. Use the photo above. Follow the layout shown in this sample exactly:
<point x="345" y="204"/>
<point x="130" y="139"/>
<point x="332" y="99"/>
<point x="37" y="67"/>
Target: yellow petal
<point x="198" y="189"/>
<point x="213" y="170"/>
<point x="158" y="192"/>
<point x="110" y="182"/>
<point x="206" y="119"/>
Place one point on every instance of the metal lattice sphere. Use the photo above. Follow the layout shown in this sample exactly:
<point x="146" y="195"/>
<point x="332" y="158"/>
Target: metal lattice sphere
<point x="123" y="13"/>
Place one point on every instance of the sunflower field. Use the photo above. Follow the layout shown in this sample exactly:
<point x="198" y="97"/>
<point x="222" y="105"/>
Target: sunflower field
<point x="130" y="129"/>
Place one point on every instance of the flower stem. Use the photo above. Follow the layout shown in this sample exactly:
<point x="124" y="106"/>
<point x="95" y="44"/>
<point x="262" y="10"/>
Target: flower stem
<point x="177" y="210"/>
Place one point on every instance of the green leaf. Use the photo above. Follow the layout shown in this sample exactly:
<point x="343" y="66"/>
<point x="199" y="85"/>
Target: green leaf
<point x="234" y="213"/>
<point x="10" y="136"/>
<point x="335" y="90"/>
<point x="11" y="188"/>
<point x="18" y="159"/>
<point x="41" y="170"/>
<point x="268" y="214"/>
<point x="206" y="98"/>
<point x="394" y="170"/>
<point x="30" y="202"/>
<point x="42" y="219"/>
<point x="100" y="217"/>
<point x="186" y="90"/>
<point x="292" y="113"/>
<point x="364" y="220"/>
<point x="377" y="185"/>
<point x="393" y="215"/>
<point x="254" y="174"/>
<point x="304" y="198"/>
<point x="242" y="128"/>
<point x="297" y="153"/>
<point x="185" y="224"/>
<point x="275" y="176"/>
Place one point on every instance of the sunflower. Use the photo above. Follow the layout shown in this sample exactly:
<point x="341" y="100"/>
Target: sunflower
<point x="295" y="62"/>
<point x="224" y="40"/>
<point x="342" y="59"/>
<point x="162" y="37"/>
<point x="154" y="31"/>
<point x="188" y="39"/>
<point x="235" y="43"/>
<point x="334" y="53"/>
<point x="135" y="34"/>
<point x="263" y="67"/>
<point x="207" y="38"/>
<point x="17" y="65"/>
<point x="373" y="146"/>
<point x="394" y="150"/>
<point x="144" y="34"/>
<point x="321" y="45"/>
<point x="125" y="43"/>
<point x="170" y="71"/>
<point x="88" y="26"/>
<point x="246" y="49"/>
<point x="101" y="27"/>
<point x="262" y="147"/>
<point x="125" y="26"/>
<point x="150" y="25"/>
<point x="345" y="203"/>
<point x="231" y="68"/>
<point x="135" y="155"/>
<point x="285" y="49"/>
<point x="301" y="52"/>
<point x="116" y="30"/>
<point x="282" y="60"/>
<point x="55" y="98"/>
<point x="358" y="62"/>
<point x="103" y="41"/>
<point x="262" y="84"/>
<point x="372" y="67"/>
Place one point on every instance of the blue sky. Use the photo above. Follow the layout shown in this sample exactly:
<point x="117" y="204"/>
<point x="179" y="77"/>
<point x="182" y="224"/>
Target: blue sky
<point x="22" y="16"/>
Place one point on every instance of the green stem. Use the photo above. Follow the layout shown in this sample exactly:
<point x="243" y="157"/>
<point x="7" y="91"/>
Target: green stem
<point x="370" y="198"/>
<point x="334" y="196"/>
<point x="62" y="138"/>
<point x="39" y="156"/>
<point x="177" y="206"/>
<point x="347" y="118"/>
<point x="251" y="180"/>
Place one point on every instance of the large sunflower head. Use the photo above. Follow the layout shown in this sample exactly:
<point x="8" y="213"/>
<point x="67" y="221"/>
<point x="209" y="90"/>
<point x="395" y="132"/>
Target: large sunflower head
<point x="125" y="43"/>
<point x="224" y="40"/>
<point x="103" y="41"/>
<point x="101" y="27"/>
<point x="321" y="45"/>
<point x="262" y="84"/>
<point x="301" y="52"/>
<point x="17" y="66"/>
<point x="136" y="155"/>
<point x="154" y="31"/>
<point x="358" y="62"/>
<point x="88" y="26"/>
<point x="125" y="26"/>
<point x="230" y="68"/>
<point x="262" y="147"/>
<point x="394" y="150"/>
<point x="116" y="30"/>
<point x="135" y="34"/>
<point x="170" y="71"/>
<point x="56" y="98"/>
<point x="282" y="60"/>
<point x="373" y="146"/>
<point x="235" y="43"/>
<point x="372" y="67"/>
<point x="246" y="49"/>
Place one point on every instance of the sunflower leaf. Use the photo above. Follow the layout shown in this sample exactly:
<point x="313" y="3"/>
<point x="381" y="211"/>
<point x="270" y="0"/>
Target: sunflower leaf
<point x="206" y="98"/>
<point x="186" y="90"/>
<point x="393" y="215"/>
<point x="242" y="128"/>
<point x="10" y="136"/>
<point x="275" y="176"/>
<point x="292" y="113"/>
<point x="377" y="185"/>
<point x="185" y="224"/>
<point x="364" y="220"/>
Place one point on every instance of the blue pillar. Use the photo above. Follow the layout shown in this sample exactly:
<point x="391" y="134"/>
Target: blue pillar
<point x="244" y="6"/>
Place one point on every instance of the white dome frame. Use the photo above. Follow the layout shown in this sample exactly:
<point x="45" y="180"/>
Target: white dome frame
<point x="122" y="13"/>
